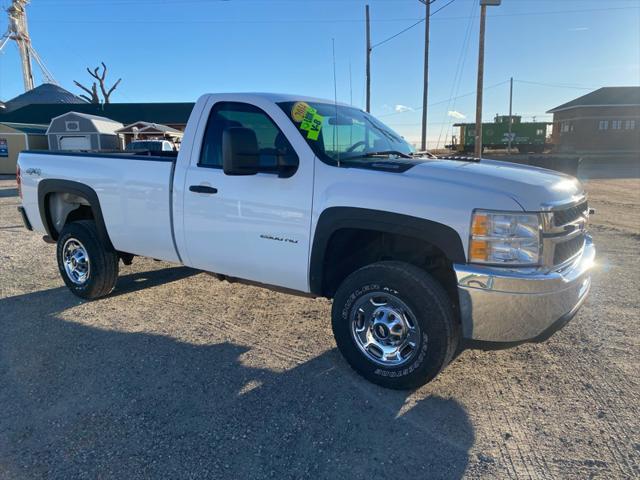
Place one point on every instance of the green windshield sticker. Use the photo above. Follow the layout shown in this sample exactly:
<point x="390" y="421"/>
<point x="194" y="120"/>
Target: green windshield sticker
<point x="312" y="124"/>
<point x="308" y="118"/>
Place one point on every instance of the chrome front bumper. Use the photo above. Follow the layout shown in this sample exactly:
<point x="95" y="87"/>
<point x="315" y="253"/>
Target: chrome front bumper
<point x="519" y="305"/>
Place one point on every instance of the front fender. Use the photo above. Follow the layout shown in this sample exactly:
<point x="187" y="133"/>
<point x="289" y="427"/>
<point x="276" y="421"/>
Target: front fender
<point x="333" y="219"/>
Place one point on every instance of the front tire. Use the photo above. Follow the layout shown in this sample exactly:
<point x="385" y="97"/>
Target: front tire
<point x="87" y="266"/>
<point x="394" y="324"/>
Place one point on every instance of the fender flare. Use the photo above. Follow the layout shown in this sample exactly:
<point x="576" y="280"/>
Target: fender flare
<point x="49" y="186"/>
<point x="333" y="219"/>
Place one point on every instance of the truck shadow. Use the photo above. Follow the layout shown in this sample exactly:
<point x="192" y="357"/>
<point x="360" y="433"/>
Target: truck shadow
<point x="134" y="282"/>
<point x="78" y="401"/>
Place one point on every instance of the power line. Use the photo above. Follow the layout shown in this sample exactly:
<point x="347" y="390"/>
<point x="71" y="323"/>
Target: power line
<point x="397" y="34"/>
<point x="210" y="21"/>
<point x="337" y="20"/>
<point x="412" y="124"/>
<point x="413" y="25"/>
<point x="416" y="109"/>
<point x="457" y="78"/>
<point x="554" y="85"/>
<point x="548" y="12"/>
<point x="444" y="6"/>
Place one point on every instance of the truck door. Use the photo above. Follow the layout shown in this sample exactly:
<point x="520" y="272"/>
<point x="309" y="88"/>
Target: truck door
<point x="254" y="227"/>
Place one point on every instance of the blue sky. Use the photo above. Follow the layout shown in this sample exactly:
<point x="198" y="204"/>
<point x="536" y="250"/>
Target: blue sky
<point x="175" y="50"/>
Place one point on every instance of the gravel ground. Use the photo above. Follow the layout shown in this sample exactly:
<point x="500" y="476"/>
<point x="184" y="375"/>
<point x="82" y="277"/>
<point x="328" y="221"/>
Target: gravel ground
<point x="178" y="375"/>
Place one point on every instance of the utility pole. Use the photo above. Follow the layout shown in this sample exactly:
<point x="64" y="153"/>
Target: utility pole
<point x="483" y="15"/>
<point x="425" y="91"/>
<point x="478" y="142"/>
<point x="368" y="68"/>
<point x="510" y="112"/>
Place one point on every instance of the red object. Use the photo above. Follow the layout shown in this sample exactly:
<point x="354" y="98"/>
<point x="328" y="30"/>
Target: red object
<point x="19" y="181"/>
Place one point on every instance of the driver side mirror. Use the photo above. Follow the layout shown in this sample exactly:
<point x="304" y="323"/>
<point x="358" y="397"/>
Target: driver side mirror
<point x="240" y="154"/>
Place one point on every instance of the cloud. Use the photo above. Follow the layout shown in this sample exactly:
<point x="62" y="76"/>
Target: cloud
<point x="456" y="115"/>
<point x="403" y="108"/>
<point x="578" y="29"/>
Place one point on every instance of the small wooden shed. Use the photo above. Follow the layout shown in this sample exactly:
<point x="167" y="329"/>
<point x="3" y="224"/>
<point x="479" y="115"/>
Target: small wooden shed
<point x="16" y="137"/>
<point x="78" y="132"/>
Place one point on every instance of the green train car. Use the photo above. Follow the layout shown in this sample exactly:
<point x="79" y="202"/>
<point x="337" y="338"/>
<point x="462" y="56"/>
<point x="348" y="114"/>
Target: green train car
<point x="525" y="137"/>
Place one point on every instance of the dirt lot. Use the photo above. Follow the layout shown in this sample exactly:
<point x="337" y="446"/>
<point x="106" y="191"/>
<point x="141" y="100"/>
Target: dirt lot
<point x="178" y="375"/>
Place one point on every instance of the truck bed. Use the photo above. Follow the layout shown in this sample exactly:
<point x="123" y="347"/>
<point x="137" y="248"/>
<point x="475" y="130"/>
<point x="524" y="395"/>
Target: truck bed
<point x="119" y="154"/>
<point x="134" y="192"/>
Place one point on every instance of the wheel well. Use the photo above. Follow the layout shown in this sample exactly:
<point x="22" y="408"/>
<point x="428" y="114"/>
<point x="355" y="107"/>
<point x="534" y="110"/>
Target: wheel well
<point x="62" y="201"/>
<point x="63" y="208"/>
<point x="349" y="249"/>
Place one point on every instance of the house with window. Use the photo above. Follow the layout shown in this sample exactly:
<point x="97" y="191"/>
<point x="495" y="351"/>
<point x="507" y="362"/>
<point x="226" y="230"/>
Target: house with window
<point x="603" y="121"/>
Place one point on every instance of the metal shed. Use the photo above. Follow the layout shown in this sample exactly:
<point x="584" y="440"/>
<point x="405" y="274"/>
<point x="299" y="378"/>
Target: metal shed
<point x="76" y="131"/>
<point x="16" y="137"/>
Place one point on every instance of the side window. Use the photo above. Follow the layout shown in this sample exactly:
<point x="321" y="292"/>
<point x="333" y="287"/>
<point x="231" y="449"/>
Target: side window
<point x="273" y="147"/>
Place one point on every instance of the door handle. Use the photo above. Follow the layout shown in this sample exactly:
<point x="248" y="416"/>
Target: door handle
<point x="203" y="189"/>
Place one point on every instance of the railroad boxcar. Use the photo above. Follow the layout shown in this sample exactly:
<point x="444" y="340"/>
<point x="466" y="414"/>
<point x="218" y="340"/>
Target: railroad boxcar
<point x="525" y="136"/>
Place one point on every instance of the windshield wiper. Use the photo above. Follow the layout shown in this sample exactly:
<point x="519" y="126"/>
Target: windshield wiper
<point x="424" y="154"/>
<point x="382" y="153"/>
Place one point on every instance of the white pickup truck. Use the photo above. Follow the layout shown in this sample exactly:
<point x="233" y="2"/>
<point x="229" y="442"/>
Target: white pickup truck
<point x="421" y="256"/>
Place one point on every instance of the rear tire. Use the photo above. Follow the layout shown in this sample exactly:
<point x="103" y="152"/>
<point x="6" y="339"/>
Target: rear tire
<point x="406" y="336"/>
<point x="87" y="266"/>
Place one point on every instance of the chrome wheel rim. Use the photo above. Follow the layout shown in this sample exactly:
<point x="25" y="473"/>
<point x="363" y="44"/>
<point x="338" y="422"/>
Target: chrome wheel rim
<point x="385" y="329"/>
<point x="76" y="261"/>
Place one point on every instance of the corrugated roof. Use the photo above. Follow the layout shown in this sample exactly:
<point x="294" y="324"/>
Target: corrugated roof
<point x="47" y="93"/>
<point x="101" y="124"/>
<point x="126" y="113"/>
<point x="27" y="127"/>
<point x="605" y="96"/>
<point x="89" y="116"/>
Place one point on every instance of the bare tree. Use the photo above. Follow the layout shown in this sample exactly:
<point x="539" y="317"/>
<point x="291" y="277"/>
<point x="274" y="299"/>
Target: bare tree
<point x="93" y="92"/>
<point x="93" y="96"/>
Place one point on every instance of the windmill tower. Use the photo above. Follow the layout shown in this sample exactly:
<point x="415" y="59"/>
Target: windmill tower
<point x="18" y="31"/>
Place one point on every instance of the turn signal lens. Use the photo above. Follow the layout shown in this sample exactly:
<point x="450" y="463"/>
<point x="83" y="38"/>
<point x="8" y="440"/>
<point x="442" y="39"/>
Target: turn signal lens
<point x="479" y="251"/>
<point x="480" y="225"/>
<point x="505" y="238"/>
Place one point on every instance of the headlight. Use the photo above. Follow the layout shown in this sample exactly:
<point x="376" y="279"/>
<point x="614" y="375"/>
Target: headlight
<point x="505" y="238"/>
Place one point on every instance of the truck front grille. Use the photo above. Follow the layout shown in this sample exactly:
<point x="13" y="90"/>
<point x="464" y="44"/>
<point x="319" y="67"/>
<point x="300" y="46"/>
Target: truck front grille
<point x="570" y="215"/>
<point x="565" y="250"/>
<point x="564" y="233"/>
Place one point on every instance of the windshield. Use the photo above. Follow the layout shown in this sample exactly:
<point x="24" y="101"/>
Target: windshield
<point x="344" y="134"/>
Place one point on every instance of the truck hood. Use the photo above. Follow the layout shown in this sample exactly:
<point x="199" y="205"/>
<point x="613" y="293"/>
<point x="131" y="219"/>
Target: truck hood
<point x="533" y="188"/>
